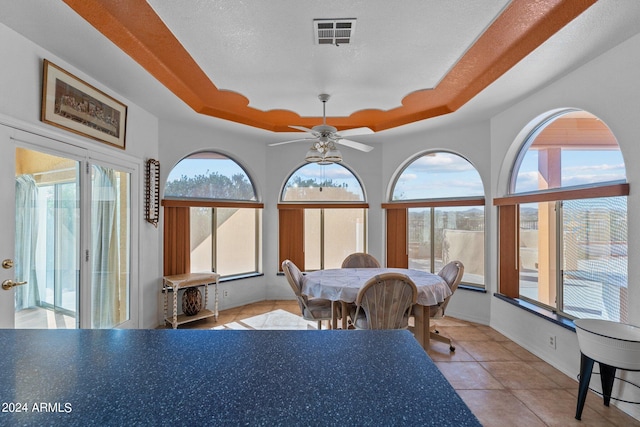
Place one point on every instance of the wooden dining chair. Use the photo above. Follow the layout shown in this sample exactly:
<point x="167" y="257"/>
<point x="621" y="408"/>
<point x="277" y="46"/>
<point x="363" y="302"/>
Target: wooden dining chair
<point x="452" y="274"/>
<point x="317" y="309"/>
<point x="384" y="302"/>
<point x="360" y="260"/>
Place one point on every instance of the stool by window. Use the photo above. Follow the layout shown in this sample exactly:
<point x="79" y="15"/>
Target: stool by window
<point x="613" y="345"/>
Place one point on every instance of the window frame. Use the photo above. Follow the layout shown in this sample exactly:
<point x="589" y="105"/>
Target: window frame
<point x="203" y="200"/>
<point x="588" y="136"/>
<point x="177" y="248"/>
<point x="291" y="225"/>
<point x="508" y="222"/>
<point x="398" y="227"/>
<point x="321" y="202"/>
<point x="291" y="216"/>
<point x="397" y="216"/>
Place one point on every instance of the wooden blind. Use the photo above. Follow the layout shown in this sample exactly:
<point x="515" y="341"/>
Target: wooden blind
<point x="397" y="254"/>
<point x="177" y="250"/>
<point x="291" y="226"/>
<point x="508" y="247"/>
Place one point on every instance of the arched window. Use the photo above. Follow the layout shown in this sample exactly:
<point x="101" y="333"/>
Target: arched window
<point x="322" y="216"/>
<point x="438" y="175"/>
<point x="568" y="204"/>
<point x="326" y="183"/>
<point x="209" y="175"/>
<point x="436" y="215"/>
<point x="211" y="211"/>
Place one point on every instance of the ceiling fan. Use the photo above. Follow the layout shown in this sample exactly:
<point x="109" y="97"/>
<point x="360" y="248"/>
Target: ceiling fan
<point x="325" y="137"/>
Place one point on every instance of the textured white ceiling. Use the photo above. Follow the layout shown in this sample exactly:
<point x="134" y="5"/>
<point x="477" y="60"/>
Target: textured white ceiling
<point x="266" y="50"/>
<point x="59" y="30"/>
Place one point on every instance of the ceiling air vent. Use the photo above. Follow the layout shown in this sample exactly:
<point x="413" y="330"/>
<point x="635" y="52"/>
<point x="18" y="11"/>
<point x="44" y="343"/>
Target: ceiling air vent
<point x="334" y="31"/>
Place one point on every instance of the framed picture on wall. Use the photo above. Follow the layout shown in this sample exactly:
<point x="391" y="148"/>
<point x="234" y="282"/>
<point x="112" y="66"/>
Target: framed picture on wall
<point x="71" y="104"/>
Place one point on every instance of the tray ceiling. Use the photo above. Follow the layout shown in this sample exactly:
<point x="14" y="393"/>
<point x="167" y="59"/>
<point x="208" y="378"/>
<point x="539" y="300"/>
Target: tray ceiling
<point x="257" y="63"/>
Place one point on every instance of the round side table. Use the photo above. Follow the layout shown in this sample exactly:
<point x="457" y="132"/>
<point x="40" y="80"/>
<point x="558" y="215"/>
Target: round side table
<point x="613" y="345"/>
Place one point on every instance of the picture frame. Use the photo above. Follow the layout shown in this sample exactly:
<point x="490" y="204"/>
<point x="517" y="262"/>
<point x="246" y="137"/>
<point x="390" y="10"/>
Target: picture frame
<point x="72" y="104"/>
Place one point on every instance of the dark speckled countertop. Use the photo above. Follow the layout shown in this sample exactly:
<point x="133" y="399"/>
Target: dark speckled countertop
<point x="209" y="378"/>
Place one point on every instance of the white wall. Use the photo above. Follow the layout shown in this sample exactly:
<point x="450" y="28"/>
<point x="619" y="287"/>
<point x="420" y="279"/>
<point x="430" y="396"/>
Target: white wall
<point x="20" y="94"/>
<point x="470" y="141"/>
<point x="178" y="140"/>
<point x="607" y="87"/>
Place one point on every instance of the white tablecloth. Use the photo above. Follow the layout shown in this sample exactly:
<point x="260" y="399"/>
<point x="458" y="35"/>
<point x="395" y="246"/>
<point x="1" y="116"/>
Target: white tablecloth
<point x="342" y="284"/>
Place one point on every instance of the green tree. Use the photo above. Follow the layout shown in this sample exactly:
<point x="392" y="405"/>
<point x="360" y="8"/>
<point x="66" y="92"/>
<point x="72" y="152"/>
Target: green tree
<point x="212" y="186"/>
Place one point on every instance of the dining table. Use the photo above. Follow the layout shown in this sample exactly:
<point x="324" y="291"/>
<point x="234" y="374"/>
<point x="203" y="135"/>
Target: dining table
<point x="341" y="285"/>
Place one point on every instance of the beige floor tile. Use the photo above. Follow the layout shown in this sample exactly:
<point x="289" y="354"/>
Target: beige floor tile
<point x="258" y="308"/>
<point x="468" y="376"/>
<point x="485" y="351"/>
<point x="518" y="375"/>
<point x="492" y="333"/>
<point x="521" y="352"/>
<point x="225" y="317"/>
<point x="555" y="375"/>
<point x="450" y="321"/>
<point x="611" y="413"/>
<point x="499" y="408"/>
<point x="439" y="351"/>
<point x="464" y="333"/>
<point x="557" y="408"/>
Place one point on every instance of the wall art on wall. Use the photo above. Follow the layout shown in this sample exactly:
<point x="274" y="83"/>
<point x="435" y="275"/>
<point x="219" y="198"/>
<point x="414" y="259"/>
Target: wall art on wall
<point x="152" y="192"/>
<point x="73" y="105"/>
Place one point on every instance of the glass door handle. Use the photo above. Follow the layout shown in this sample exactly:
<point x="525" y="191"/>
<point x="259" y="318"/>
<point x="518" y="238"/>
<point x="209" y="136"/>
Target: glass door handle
<point x="8" y="284"/>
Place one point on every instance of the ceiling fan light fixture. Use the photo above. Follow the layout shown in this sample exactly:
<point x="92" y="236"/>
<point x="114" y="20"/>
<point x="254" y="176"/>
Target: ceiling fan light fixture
<point x="313" y="155"/>
<point x="332" y="155"/>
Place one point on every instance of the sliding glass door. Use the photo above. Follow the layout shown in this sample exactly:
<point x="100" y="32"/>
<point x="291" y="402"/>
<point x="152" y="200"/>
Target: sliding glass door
<point x="47" y="240"/>
<point x="70" y="266"/>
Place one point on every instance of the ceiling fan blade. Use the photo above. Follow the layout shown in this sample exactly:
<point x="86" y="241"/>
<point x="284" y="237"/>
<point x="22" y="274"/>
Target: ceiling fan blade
<point x="353" y="144"/>
<point x="293" y="140"/>
<point x="355" y="131"/>
<point x="304" y="129"/>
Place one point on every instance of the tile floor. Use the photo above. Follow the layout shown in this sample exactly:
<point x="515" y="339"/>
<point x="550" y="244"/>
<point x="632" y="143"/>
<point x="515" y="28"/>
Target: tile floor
<point x="502" y="383"/>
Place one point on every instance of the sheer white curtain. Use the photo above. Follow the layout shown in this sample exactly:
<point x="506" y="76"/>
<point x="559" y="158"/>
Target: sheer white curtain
<point x="26" y="241"/>
<point x="105" y="244"/>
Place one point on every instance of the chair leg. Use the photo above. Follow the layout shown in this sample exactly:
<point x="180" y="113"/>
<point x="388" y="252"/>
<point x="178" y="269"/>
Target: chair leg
<point x="435" y="335"/>
<point x="607" y="375"/>
<point x="319" y="324"/>
<point x="586" y="366"/>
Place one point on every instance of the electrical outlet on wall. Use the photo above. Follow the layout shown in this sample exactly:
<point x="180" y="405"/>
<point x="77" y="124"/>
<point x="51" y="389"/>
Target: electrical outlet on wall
<point x="552" y="341"/>
<point x="225" y="293"/>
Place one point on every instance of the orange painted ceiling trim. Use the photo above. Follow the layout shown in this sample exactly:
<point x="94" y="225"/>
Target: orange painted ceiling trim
<point x="136" y="29"/>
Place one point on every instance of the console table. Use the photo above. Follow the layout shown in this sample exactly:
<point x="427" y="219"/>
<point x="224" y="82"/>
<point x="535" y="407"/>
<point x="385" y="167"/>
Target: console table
<point x="189" y="280"/>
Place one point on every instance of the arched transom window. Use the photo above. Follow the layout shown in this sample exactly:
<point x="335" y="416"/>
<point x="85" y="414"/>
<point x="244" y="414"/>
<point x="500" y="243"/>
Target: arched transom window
<point x="438" y="175"/>
<point x="209" y="175"/>
<point x="326" y="183"/>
